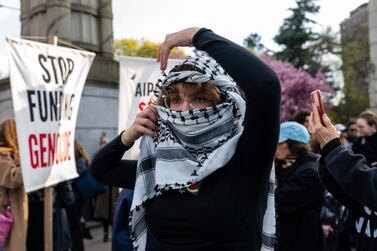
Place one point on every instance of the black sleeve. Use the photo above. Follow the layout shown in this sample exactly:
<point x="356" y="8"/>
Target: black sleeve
<point x="299" y="192"/>
<point x="353" y="176"/>
<point x="332" y="186"/>
<point x="108" y="167"/>
<point x="262" y="90"/>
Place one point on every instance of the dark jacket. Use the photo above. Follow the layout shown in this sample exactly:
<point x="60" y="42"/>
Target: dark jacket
<point x="64" y="198"/>
<point x="121" y="240"/>
<point x="354" y="184"/>
<point x="367" y="146"/>
<point x="299" y="198"/>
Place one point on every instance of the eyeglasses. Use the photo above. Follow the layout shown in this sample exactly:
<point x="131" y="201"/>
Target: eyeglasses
<point x="176" y="101"/>
<point x="353" y="130"/>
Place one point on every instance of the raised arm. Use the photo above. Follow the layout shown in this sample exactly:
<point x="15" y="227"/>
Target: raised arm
<point x="333" y="187"/>
<point x="349" y="170"/>
<point x="261" y="87"/>
<point x="258" y="81"/>
<point x="351" y="173"/>
<point x="108" y="167"/>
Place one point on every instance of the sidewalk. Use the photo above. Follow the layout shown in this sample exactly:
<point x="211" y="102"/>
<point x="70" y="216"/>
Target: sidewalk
<point x="97" y="244"/>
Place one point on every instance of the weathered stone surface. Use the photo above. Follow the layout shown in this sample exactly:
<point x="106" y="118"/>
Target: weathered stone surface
<point x="87" y="24"/>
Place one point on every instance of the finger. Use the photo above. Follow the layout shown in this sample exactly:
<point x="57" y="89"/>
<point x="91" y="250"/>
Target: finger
<point x="146" y="122"/>
<point x="165" y="51"/>
<point x="326" y="120"/>
<point x="151" y="114"/>
<point x="317" y="119"/>
<point x="163" y="58"/>
<point x="158" y="52"/>
<point x="311" y="123"/>
<point x="146" y="131"/>
<point x="311" y="120"/>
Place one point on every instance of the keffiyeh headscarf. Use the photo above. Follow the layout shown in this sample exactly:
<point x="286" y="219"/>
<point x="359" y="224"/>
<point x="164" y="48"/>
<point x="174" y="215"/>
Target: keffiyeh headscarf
<point x="190" y="144"/>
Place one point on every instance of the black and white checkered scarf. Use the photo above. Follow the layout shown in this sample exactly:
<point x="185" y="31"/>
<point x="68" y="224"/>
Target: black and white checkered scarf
<point x="190" y="144"/>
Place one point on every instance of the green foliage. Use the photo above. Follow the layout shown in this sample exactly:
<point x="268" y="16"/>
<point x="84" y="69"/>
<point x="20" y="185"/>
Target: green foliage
<point x="253" y="41"/>
<point x="356" y="69"/>
<point x="142" y="48"/>
<point x="295" y="34"/>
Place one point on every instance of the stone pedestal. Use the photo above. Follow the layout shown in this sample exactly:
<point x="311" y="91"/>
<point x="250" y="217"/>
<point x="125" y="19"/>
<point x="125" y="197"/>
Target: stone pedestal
<point x="87" y="24"/>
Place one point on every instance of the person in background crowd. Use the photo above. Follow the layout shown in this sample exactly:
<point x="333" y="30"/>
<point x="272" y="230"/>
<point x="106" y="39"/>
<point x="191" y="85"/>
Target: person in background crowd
<point x="202" y="146"/>
<point x="349" y="179"/>
<point x="352" y="133"/>
<point x="105" y="203"/>
<point x="314" y="146"/>
<point x="103" y="140"/>
<point x="63" y="199"/>
<point x="366" y="144"/>
<point x="302" y="117"/>
<point x="299" y="193"/>
<point x="82" y="163"/>
<point x="74" y="212"/>
<point x="11" y="186"/>
<point x="341" y="129"/>
<point x="335" y="224"/>
<point x="34" y="240"/>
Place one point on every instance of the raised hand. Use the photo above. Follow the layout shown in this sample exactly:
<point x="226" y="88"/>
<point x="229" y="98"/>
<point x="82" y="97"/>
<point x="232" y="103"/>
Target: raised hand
<point x="180" y="38"/>
<point x="145" y="124"/>
<point x="323" y="134"/>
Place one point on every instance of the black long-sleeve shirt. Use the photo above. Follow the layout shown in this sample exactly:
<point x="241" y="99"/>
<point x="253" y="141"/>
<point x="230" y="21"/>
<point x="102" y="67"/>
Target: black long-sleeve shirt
<point x="227" y="213"/>
<point x="348" y="178"/>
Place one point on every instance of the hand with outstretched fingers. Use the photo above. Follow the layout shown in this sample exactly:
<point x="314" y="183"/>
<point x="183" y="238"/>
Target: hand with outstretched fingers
<point x="180" y="38"/>
<point x="145" y="124"/>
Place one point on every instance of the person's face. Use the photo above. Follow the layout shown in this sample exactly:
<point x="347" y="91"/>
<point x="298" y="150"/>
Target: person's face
<point x="182" y="99"/>
<point x="102" y="143"/>
<point x="282" y="151"/>
<point x="364" y="128"/>
<point x="352" y="131"/>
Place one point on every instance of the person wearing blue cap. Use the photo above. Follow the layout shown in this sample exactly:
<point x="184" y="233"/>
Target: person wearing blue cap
<point x="299" y="193"/>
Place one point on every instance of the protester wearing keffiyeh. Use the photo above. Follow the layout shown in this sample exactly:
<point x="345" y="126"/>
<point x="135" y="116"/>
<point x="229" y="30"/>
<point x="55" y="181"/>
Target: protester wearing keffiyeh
<point x="190" y="145"/>
<point x="209" y="183"/>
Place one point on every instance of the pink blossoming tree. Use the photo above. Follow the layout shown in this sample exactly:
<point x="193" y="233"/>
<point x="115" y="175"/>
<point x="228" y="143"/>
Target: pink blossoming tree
<point x="296" y="86"/>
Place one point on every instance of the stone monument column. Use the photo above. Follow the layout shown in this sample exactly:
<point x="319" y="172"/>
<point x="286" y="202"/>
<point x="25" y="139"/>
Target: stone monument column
<point x="46" y="18"/>
<point x="87" y="24"/>
<point x="105" y="19"/>
<point x="58" y="22"/>
<point x="372" y="8"/>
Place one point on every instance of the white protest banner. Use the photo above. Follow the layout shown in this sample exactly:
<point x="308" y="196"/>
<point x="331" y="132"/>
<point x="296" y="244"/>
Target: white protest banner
<point x="137" y="80"/>
<point x="46" y="83"/>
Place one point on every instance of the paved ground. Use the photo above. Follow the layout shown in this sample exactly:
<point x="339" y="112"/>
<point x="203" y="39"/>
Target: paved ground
<point x="97" y="243"/>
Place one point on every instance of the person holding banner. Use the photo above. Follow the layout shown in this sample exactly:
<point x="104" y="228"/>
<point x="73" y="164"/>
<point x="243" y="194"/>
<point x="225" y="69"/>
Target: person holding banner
<point x="12" y="191"/>
<point x="202" y="178"/>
